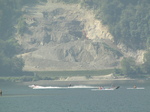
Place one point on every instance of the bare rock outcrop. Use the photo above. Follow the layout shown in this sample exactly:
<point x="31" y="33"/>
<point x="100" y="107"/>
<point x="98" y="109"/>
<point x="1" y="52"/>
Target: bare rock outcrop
<point x="66" y="37"/>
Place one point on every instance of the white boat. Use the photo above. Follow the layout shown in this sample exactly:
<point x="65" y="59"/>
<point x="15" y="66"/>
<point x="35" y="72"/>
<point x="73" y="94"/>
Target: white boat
<point x="137" y="88"/>
<point x="102" y="88"/>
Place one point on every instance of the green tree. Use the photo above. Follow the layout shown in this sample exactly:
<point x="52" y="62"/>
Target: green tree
<point x="129" y="67"/>
<point x="17" y="65"/>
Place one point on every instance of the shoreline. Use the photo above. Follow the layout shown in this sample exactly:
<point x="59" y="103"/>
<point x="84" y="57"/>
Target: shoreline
<point x="81" y="81"/>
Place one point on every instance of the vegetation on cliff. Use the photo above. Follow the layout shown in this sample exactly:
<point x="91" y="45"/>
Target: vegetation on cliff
<point x="10" y="11"/>
<point x="128" y="21"/>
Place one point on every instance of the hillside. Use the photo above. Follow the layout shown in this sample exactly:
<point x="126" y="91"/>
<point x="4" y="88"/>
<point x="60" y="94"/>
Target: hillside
<point x="62" y="36"/>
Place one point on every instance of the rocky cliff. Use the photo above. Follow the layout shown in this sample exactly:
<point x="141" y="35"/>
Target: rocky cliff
<point x="67" y="37"/>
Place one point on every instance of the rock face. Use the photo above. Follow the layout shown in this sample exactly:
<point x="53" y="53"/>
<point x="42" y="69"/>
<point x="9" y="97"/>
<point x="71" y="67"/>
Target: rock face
<point x="66" y="37"/>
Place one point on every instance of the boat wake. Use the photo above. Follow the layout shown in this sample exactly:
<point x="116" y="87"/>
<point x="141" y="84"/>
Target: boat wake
<point x="57" y="87"/>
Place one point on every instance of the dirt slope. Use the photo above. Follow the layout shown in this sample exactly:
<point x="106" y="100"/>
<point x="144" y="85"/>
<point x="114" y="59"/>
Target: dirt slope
<point x="66" y="37"/>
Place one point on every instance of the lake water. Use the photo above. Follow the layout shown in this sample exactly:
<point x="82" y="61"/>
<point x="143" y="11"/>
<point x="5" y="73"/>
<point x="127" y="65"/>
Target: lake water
<point x="19" y="98"/>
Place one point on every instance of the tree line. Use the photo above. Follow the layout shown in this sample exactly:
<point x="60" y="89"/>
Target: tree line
<point x="131" y="69"/>
<point x="10" y="11"/>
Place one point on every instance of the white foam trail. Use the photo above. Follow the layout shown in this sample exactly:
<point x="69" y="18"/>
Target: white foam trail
<point x="82" y="86"/>
<point x="57" y="87"/>
<point x="102" y="89"/>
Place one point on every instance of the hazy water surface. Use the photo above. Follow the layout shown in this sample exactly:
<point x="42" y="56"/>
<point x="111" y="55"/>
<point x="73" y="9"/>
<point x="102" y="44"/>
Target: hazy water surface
<point x="23" y="99"/>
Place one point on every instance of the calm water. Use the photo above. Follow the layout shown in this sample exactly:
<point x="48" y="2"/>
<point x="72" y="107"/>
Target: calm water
<point x="18" y="98"/>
